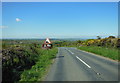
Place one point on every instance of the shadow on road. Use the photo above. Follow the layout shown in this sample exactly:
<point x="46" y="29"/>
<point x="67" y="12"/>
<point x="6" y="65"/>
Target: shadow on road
<point x="60" y="57"/>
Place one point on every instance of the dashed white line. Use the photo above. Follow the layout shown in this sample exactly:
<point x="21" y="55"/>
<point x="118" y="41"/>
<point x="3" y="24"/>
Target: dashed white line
<point x="83" y="62"/>
<point x="70" y="52"/>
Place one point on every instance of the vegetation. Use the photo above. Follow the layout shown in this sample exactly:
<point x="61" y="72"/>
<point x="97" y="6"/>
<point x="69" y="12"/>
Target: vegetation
<point x="25" y="60"/>
<point x="37" y="71"/>
<point x="21" y="58"/>
<point x="106" y="52"/>
<point x="110" y="42"/>
<point x="65" y="43"/>
<point x="107" y="47"/>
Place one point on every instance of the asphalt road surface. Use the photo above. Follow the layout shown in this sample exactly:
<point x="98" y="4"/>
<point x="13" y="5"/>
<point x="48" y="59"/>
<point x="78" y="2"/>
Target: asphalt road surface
<point x="72" y="64"/>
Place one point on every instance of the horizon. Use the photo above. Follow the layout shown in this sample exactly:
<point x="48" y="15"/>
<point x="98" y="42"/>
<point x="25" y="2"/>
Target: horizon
<point x="59" y="19"/>
<point x="72" y="38"/>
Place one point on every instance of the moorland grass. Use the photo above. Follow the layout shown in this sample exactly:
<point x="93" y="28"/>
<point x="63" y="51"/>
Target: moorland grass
<point x="38" y="70"/>
<point x="25" y="61"/>
<point x="111" y="53"/>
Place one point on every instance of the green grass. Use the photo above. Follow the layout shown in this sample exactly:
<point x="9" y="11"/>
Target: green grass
<point x="25" y="61"/>
<point x="38" y="70"/>
<point x="106" y="52"/>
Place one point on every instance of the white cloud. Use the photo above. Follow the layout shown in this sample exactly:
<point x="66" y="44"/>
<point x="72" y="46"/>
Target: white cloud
<point x="3" y="26"/>
<point x="17" y="19"/>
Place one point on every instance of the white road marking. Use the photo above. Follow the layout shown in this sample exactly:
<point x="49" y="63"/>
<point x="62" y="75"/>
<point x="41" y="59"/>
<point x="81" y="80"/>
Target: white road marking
<point x="83" y="62"/>
<point x="71" y="52"/>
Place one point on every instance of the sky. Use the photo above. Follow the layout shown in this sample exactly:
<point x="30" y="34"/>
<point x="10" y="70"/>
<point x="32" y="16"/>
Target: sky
<point x="60" y="0"/>
<point x="59" y="19"/>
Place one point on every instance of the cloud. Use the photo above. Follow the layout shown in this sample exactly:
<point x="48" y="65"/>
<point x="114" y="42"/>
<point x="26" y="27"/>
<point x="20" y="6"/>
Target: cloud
<point x="17" y="19"/>
<point x="3" y="26"/>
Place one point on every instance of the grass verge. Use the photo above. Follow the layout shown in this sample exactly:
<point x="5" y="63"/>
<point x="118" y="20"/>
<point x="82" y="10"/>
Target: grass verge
<point x="111" y="53"/>
<point x="38" y="70"/>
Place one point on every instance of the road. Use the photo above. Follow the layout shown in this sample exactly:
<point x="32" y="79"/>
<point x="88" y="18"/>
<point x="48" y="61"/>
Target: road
<point x="72" y="64"/>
